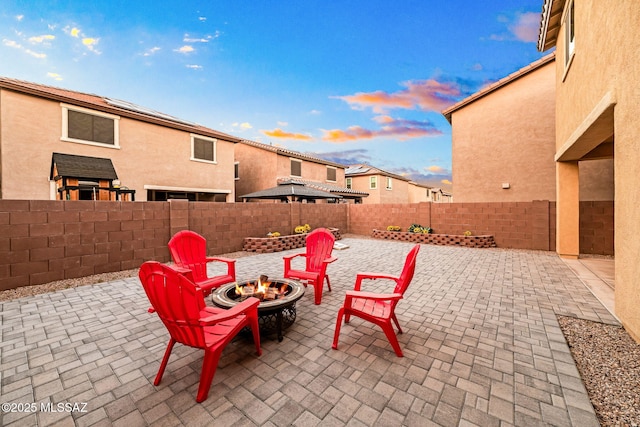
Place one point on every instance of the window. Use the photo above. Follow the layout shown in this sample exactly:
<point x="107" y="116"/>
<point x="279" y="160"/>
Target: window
<point x="389" y="183"/>
<point x="349" y="183"/>
<point x="203" y="149"/>
<point x="373" y="182"/>
<point x="569" y="34"/>
<point x="296" y="167"/>
<point x="331" y="173"/>
<point x="89" y="127"/>
<point x="236" y="170"/>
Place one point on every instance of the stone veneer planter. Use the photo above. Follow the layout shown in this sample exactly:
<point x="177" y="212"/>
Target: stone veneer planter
<point x="264" y="245"/>
<point x="437" y="239"/>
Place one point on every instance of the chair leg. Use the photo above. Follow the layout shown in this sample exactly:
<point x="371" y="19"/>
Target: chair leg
<point x="395" y="320"/>
<point x="336" y="334"/>
<point x="328" y="283"/>
<point x="209" y="366"/>
<point x="165" y="359"/>
<point x="317" y="292"/>
<point x="256" y="334"/>
<point x="393" y="340"/>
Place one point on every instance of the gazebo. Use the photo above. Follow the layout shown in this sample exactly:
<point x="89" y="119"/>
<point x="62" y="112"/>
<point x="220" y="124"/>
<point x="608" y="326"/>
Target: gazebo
<point x="291" y="191"/>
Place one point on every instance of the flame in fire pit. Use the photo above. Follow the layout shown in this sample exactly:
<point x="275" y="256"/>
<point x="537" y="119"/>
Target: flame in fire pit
<point x="261" y="289"/>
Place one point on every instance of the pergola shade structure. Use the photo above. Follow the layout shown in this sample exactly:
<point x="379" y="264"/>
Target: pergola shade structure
<point x="291" y="192"/>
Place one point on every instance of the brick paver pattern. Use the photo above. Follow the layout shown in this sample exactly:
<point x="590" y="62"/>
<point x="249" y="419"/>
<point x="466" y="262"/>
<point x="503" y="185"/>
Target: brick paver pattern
<point x="481" y="341"/>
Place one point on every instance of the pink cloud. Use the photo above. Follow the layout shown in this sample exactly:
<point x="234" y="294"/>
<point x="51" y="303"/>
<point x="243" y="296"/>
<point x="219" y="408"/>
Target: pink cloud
<point x="527" y="27"/>
<point x="392" y="128"/>
<point x="427" y="95"/>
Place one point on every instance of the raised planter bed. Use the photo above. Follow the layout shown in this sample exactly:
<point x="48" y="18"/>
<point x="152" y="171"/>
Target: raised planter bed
<point x="265" y="245"/>
<point x="437" y="239"/>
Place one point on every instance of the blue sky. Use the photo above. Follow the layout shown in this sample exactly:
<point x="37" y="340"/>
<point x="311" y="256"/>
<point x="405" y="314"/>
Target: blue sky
<point x="351" y="81"/>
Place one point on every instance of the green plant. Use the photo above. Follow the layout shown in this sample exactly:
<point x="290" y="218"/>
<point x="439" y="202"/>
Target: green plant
<point x="394" y="228"/>
<point x="417" y="228"/>
<point x="467" y="233"/>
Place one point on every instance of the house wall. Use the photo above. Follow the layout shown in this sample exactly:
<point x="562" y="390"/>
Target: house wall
<point x="259" y="169"/>
<point x="417" y="193"/>
<point x="42" y="241"/>
<point x="507" y="136"/>
<point x="148" y="155"/>
<point x="604" y="71"/>
<point x="398" y="194"/>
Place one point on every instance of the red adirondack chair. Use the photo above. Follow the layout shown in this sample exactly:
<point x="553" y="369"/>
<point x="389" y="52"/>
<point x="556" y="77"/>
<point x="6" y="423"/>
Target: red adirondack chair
<point x="189" y="251"/>
<point x="318" y="255"/>
<point x="378" y="308"/>
<point x="180" y="305"/>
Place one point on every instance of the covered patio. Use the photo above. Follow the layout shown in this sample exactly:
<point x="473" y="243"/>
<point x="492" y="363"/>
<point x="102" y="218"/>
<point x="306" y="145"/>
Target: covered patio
<point x="482" y="346"/>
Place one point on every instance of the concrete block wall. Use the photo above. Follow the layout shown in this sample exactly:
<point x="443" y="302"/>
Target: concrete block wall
<point x="596" y="228"/>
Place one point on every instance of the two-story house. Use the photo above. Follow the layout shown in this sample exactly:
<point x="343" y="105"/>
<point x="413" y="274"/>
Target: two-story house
<point x="262" y="166"/>
<point x="597" y="101"/>
<point x="383" y="187"/>
<point x="67" y="145"/>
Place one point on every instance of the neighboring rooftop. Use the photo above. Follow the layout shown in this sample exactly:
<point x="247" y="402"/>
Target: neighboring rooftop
<point x="110" y="105"/>
<point x="550" y="24"/>
<point x="323" y="186"/>
<point x="70" y="165"/>
<point x="496" y="85"/>
<point x="291" y="153"/>
<point x="363" y="170"/>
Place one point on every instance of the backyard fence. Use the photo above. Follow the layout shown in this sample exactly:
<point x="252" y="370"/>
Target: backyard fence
<point x="43" y="241"/>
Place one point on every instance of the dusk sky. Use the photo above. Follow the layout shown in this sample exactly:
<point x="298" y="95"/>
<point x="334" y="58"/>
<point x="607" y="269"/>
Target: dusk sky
<point x="348" y="81"/>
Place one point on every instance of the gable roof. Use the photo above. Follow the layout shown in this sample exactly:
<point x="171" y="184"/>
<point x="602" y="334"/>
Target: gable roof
<point x="291" y="188"/>
<point x="291" y="153"/>
<point x="550" y="24"/>
<point x="502" y="82"/>
<point x="363" y="170"/>
<point x="323" y="186"/>
<point x="109" y="105"/>
<point x="73" y="166"/>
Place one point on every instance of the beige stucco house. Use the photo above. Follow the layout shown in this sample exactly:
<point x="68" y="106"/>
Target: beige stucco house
<point x="503" y="142"/>
<point x="382" y="186"/>
<point x="261" y="166"/>
<point x="61" y="144"/>
<point x="598" y="116"/>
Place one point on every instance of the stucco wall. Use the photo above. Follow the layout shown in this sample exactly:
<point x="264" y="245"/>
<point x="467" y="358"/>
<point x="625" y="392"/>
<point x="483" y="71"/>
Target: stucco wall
<point x="31" y="130"/>
<point x="399" y="192"/>
<point x="604" y="69"/>
<point x="507" y="136"/>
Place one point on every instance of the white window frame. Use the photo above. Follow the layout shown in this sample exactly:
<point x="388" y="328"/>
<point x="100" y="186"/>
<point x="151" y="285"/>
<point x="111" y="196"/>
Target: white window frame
<point x="373" y="182"/>
<point x="214" y="141"/>
<point x="336" y="174"/>
<point x="297" y="161"/>
<point x="569" y="41"/>
<point x="65" y="126"/>
<point x="349" y="182"/>
<point x="389" y="182"/>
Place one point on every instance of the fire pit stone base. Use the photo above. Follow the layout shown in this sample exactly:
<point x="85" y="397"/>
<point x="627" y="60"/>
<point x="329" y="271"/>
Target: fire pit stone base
<point x="264" y="245"/>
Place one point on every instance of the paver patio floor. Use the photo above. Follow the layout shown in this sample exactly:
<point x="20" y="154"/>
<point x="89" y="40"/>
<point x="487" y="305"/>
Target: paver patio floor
<point x="482" y="347"/>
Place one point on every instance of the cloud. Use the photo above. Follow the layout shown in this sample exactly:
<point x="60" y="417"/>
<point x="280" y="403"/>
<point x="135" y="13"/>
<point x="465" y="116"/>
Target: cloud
<point x="194" y="66"/>
<point x="55" y="76"/>
<point x="526" y="27"/>
<point x="426" y="95"/>
<point x="391" y="128"/>
<point x="346" y="157"/>
<point x="202" y="18"/>
<point x="184" y="49"/>
<point x="446" y="182"/>
<point x="477" y="67"/>
<point x="91" y="43"/>
<point x="74" y="32"/>
<point x="279" y="133"/>
<point x="41" y="39"/>
<point x="435" y="169"/>
<point x="244" y="125"/>
<point x="188" y="39"/>
<point x="283" y="124"/>
<point x="19" y="18"/>
<point x="16" y="45"/>
<point x="428" y="179"/>
<point x="315" y="112"/>
<point x="151" y="51"/>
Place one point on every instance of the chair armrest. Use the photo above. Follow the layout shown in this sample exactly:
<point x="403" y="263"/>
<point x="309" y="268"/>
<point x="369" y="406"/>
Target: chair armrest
<point x="372" y="276"/>
<point x="330" y="260"/>
<point x="246" y="305"/>
<point x="220" y="259"/>
<point x="289" y="257"/>
<point x="374" y="296"/>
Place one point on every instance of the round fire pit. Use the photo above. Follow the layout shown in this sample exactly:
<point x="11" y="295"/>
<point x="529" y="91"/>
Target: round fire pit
<point x="277" y="309"/>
